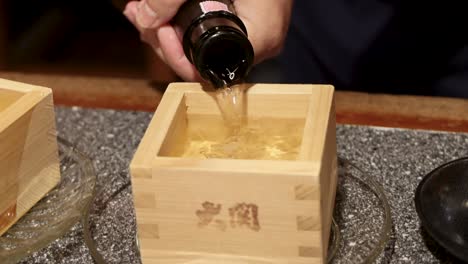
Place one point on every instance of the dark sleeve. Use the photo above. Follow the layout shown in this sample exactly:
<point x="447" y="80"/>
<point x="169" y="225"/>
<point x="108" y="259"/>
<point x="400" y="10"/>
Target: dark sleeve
<point x="378" y="46"/>
<point x="454" y="82"/>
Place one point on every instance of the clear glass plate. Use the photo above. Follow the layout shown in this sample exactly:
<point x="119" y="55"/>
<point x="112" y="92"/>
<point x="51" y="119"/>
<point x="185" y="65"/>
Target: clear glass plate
<point x="56" y="212"/>
<point x="361" y="227"/>
<point x="362" y="219"/>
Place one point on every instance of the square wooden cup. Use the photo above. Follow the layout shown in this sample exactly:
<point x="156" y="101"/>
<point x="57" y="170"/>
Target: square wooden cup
<point x="193" y="210"/>
<point x="29" y="163"/>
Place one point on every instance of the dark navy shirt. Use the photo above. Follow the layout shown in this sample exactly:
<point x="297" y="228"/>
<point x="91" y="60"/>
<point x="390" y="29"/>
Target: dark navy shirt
<point x="379" y="46"/>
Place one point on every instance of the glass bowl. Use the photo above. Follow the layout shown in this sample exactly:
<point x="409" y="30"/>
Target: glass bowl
<point x="362" y="218"/>
<point x="361" y="226"/>
<point x="56" y="212"/>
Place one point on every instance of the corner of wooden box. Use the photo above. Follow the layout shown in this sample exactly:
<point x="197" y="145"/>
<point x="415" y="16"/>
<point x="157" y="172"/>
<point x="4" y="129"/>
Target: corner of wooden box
<point x="32" y="149"/>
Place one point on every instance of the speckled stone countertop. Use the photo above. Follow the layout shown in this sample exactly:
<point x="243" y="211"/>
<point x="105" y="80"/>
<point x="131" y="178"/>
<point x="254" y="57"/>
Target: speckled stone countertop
<point x="397" y="159"/>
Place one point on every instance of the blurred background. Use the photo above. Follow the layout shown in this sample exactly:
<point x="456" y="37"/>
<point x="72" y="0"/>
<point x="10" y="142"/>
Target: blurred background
<point x="74" y="37"/>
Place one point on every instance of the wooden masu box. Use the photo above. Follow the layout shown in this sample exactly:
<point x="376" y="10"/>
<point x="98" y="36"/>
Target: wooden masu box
<point x="236" y="211"/>
<point x="29" y="162"/>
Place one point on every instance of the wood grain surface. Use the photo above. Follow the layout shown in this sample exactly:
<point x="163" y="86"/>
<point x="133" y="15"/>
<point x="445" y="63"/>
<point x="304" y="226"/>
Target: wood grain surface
<point x="416" y="112"/>
<point x="220" y="208"/>
<point x="29" y="162"/>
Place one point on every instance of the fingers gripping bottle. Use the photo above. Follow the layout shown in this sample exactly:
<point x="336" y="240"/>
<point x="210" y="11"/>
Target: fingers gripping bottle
<point x="215" y="41"/>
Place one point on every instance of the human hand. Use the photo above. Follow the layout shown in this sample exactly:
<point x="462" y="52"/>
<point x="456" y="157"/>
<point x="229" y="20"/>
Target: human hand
<point x="160" y="35"/>
<point x="266" y="21"/>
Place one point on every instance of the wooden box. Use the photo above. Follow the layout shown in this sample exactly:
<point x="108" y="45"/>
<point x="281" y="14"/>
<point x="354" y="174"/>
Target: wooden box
<point x="29" y="163"/>
<point x="192" y="210"/>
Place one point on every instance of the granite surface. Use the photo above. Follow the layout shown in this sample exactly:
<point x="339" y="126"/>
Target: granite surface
<point x="396" y="159"/>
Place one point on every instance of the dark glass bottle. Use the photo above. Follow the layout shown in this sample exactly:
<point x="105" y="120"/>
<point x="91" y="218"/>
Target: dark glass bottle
<point x="215" y="41"/>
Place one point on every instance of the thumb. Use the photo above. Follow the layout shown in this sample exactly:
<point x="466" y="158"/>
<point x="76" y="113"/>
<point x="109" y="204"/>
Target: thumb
<point x="154" y="13"/>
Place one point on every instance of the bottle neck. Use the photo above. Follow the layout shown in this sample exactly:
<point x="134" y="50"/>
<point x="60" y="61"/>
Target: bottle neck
<point x="209" y="24"/>
<point x="219" y="48"/>
<point x="194" y="10"/>
<point x="215" y="41"/>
